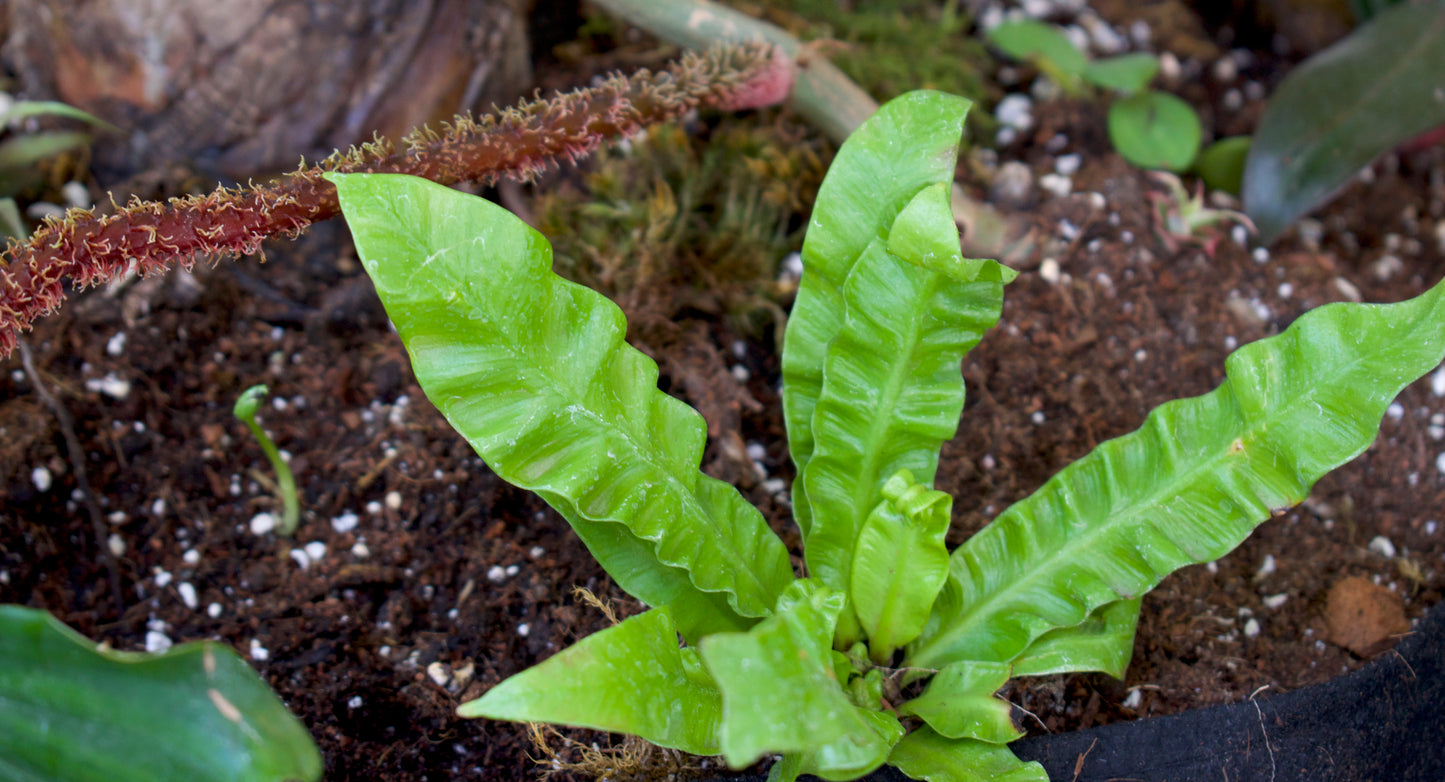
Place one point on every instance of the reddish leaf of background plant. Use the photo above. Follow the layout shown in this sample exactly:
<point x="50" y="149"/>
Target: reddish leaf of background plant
<point x="1343" y="107"/>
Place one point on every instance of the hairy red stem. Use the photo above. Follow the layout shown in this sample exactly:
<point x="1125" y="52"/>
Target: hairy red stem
<point x="516" y="143"/>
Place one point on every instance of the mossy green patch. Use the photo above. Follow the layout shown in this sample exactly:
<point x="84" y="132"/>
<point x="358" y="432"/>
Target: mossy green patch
<point x="892" y="46"/>
<point x="676" y="220"/>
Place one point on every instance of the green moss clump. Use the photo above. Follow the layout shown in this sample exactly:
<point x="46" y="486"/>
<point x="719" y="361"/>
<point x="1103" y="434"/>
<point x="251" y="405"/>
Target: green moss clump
<point x="675" y="221"/>
<point x="892" y="46"/>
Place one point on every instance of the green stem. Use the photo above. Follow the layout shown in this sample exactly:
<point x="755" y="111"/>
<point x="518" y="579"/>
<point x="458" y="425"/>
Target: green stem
<point x="822" y="94"/>
<point x="245" y="411"/>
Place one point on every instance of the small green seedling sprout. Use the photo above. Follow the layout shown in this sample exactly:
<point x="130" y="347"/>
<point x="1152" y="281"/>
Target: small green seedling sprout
<point x="245" y="412"/>
<point x="1181" y="219"/>
<point x="1151" y="129"/>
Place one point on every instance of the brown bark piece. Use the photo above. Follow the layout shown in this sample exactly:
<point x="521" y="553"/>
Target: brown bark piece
<point x="1363" y="616"/>
<point x="243" y="87"/>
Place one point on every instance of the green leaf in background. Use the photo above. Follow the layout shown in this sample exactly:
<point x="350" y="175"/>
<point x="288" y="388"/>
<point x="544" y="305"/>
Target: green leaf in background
<point x="900" y="563"/>
<point x="69" y="711"/>
<point x="1365" y="10"/>
<point x="631" y="678"/>
<point x="20" y="153"/>
<point x="925" y="234"/>
<point x="534" y="371"/>
<point x="1103" y="642"/>
<point x="1221" y="164"/>
<point x="779" y="692"/>
<point x="1043" y="44"/>
<point x="29" y="149"/>
<point x="1127" y="73"/>
<point x="960" y="704"/>
<point x="1155" y="130"/>
<point x="24" y="109"/>
<point x="924" y="754"/>
<point x="1189" y="485"/>
<point x="11" y="223"/>
<point x="910" y="143"/>
<point x="1341" y="108"/>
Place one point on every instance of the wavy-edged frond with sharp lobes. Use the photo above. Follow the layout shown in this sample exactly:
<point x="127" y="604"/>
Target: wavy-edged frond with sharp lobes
<point x="1189" y="485"/>
<point x="892" y="386"/>
<point x="912" y="142"/>
<point x="629" y="678"/>
<point x="533" y="370"/>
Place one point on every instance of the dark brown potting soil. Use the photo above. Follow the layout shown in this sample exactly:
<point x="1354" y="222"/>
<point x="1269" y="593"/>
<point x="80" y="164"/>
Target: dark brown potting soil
<point x="418" y="580"/>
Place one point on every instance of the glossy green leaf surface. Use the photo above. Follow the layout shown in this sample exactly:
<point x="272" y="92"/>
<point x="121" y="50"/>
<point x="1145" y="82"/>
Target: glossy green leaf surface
<point x="1189" y="485"/>
<point x="630" y="678"/>
<point x="959" y="703"/>
<point x="900" y="563"/>
<point x="855" y="755"/>
<point x="1341" y="108"/>
<point x="779" y="691"/>
<point x="892" y="387"/>
<point x="1103" y="642"/>
<point x="1027" y="39"/>
<point x="1155" y="130"/>
<point x="1127" y="73"/>
<point x="534" y="371"/>
<point x="925" y="235"/>
<point x="910" y="143"/>
<point x="925" y="755"/>
<point x="197" y="712"/>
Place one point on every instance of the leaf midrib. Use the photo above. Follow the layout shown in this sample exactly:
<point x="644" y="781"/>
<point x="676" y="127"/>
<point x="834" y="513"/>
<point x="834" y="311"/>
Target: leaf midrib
<point x="868" y="488"/>
<point x="737" y="559"/>
<point x="1064" y="556"/>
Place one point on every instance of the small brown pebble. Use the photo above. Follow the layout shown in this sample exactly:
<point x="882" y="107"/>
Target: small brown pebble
<point x="1364" y="617"/>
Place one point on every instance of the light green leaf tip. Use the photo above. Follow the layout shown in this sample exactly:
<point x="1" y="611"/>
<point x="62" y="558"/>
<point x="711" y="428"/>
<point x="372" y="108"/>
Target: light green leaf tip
<point x="779" y="690"/>
<point x="1103" y="642"/>
<point x="900" y="563"/>
<point x="196" y="712"/>
<point x="925" y="755"/>
<point x="1189" y="485"/>
<point x="925" y="234"/>
<point x="631" y="678"/>
<point x="534" y="371"/>
<point x="959" y="703"/>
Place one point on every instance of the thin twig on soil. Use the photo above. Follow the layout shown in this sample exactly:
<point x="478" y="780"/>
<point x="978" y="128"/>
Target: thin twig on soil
<point x="76" y="456"/>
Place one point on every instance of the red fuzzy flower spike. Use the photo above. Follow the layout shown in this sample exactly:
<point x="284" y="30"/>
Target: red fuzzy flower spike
<point x="517" y="143"/>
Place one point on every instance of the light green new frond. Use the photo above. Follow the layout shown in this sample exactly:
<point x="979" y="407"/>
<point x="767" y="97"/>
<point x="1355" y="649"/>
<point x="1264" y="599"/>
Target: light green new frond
<point x="534" y="371"/>
<point x="912" y="142"/>
<point x="1189" y="485"/>
<point x="631" y="678"/>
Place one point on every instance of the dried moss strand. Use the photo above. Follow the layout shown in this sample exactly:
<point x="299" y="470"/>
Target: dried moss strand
<point x="517" y="143"/>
